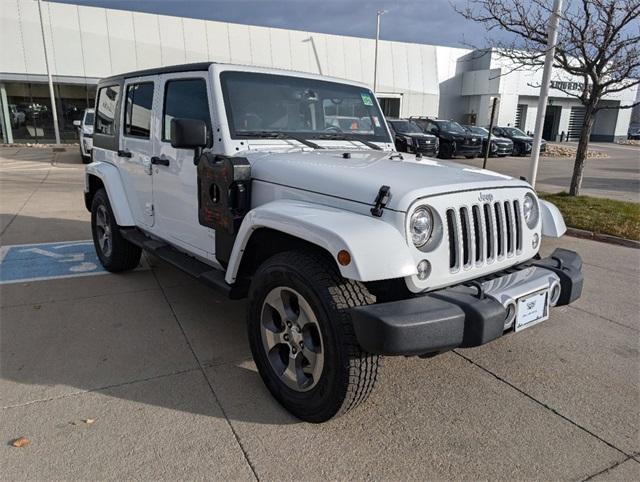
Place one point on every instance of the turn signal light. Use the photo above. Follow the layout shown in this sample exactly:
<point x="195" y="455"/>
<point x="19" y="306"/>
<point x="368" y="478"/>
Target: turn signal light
<point x="344" y="258"/>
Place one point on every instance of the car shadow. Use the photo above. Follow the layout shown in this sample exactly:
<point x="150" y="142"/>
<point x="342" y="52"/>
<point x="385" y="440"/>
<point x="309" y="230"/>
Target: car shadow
<point x="118" y="333"/>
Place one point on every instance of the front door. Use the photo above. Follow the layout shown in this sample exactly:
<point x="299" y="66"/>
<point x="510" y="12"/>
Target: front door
<point x="551" y="122"/>
<point x="136" y="147"/>
<point x="175" y="188"/>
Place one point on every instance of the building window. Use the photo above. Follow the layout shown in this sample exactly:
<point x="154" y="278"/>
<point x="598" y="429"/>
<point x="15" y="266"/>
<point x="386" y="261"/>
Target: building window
<point x="139" y="99"/>
<point x="390" y="106"/>
<point x="107" y="103"/>
<point x="521" y="116"/>
<point x="185" y="99"/>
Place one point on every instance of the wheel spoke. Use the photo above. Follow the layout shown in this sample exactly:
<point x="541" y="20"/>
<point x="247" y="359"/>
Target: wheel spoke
<point x="311" y="357"/>
<point x="306" y="315"/>
<point x="272" y="338"/>
<point x="275" y="301"/>
<point x="291" y="372"/>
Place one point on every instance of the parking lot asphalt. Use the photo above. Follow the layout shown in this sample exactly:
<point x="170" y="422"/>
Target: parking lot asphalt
<point x="148" y="375"/>
<point x="613" y="177"/>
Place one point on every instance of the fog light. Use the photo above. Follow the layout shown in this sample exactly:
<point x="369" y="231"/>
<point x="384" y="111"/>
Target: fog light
<point x="555" y="294"/>
<point x="510" y="316"/>
<point x="535" y="241"/>
<point x="424" y="270"/>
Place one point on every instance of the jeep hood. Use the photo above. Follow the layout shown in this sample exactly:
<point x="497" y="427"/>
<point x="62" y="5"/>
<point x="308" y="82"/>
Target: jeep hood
<point x="360" y="176"/>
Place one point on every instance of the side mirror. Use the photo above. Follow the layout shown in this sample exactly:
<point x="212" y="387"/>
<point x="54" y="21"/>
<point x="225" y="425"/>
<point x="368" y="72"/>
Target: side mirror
<point x="188" y="134"/>
<point x="77" y="123"/>
<point x="434" y="130"/>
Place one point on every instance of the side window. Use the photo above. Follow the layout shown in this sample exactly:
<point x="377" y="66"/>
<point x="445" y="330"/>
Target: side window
<point x="187" y="99"/>
<point x="107" y="103"/>
<point x="137" y="114"/>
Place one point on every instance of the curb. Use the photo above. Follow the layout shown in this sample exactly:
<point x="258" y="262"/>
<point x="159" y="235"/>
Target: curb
<point x="605" y="238"/>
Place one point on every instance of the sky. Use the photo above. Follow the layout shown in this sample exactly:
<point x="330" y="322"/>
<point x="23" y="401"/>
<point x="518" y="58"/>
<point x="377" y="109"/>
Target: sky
<point x="420" y="21"/>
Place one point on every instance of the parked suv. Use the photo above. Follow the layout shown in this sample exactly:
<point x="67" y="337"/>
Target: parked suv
<point x="454" y="139"/>
<point x="500" y="146"/>
<point x="85" y="134"/>
<point x="345" y="249"/>
<point x="409" y="137"/>
<point x="521" y="142"/>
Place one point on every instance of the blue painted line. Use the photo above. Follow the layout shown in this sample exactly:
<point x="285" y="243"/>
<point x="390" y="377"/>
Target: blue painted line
<point x="34" y="262"/>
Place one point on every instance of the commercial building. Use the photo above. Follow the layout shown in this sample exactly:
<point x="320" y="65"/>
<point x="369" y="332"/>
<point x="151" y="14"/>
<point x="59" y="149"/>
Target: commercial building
<point x="85" y="44"/>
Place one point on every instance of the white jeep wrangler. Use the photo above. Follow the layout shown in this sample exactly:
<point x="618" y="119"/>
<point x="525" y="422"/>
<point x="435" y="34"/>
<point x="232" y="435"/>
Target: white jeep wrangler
<point x="250" y="180"/>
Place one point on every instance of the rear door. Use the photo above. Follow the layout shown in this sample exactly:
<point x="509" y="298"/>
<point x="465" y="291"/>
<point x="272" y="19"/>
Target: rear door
<point x="186" y="96"/>
<point x="137" y="147"/>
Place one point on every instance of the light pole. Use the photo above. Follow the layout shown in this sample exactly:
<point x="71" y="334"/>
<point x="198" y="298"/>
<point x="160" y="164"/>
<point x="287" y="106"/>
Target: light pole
<point x="552" y="38"/>
<point x="379" y="14"/>
<point x="54" y="111"/>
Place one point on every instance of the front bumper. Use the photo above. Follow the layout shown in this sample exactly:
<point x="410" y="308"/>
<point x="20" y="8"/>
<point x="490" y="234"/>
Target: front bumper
<point x="501" y="149"/>
<point x="466" y="149"/>
<point x="466" y="315"/>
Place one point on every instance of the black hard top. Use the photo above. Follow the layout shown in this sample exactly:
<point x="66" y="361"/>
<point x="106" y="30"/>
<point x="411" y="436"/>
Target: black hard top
<point x="170" y="69"/>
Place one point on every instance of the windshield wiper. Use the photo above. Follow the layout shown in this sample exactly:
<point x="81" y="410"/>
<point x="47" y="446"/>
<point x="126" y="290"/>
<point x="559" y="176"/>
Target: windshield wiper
<point x="279" y="135"/>
<point x="349" y="137"/>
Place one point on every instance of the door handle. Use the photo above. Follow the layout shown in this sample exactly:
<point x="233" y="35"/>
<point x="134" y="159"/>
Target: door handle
<point x="122" y="153"/>
<point x="159" y="161"/>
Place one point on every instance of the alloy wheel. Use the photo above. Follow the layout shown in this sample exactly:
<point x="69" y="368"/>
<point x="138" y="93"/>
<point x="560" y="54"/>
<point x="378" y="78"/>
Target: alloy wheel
<point x="292" y="339"/>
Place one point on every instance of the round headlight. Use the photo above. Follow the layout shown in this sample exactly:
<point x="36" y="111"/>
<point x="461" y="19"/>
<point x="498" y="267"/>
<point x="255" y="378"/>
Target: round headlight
<point x="421" y="226"/>
<point x="530" y="210"/>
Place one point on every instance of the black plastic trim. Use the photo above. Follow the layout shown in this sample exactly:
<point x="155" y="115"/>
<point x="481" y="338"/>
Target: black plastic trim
<point x="209" y="275"/>
<point x="456" y="317"/>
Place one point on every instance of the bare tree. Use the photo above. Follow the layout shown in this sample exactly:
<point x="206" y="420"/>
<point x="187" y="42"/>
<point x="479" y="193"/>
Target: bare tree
<point x="598" y="42"/>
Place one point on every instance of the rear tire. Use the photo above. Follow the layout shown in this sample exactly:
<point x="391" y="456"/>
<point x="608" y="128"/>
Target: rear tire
<point x="322" y="372"/>
<point x="116" y="254"/>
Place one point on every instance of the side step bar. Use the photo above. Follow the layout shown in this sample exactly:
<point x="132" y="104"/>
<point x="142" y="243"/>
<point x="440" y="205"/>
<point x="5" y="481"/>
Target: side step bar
<point x="210" y="276"/>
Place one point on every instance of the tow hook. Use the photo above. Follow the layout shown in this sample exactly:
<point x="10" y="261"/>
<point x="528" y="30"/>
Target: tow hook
<point x="384" y="194"/>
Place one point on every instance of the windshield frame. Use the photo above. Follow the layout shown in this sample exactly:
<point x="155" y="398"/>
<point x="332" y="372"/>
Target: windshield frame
<point x="384" y="137"/>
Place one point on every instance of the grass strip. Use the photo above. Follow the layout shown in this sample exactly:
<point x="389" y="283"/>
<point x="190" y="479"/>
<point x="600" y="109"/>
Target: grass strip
<point x="602" y="216"/>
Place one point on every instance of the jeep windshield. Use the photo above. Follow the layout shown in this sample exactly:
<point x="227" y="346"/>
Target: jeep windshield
<point x="406" y="127"/>
<point x="280" y="107"/>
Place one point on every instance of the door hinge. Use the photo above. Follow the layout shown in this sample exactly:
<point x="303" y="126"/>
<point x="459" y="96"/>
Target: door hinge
<point x="148" y="209"/>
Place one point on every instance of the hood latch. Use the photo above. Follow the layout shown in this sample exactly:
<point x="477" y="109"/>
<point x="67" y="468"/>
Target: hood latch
<point x="382" y="199"/>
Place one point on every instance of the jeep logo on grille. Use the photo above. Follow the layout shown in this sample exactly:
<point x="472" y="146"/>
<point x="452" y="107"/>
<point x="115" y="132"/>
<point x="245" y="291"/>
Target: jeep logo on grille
<point x="487" y="198"/>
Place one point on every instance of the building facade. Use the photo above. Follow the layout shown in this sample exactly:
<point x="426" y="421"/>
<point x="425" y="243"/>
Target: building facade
<point x="85" y="44"/>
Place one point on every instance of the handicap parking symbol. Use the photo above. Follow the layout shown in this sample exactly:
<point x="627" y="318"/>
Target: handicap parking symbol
<point x="34" y="262"/>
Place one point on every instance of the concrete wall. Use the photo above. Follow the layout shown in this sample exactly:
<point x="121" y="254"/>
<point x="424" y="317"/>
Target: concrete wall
<point x="94" y="42"/>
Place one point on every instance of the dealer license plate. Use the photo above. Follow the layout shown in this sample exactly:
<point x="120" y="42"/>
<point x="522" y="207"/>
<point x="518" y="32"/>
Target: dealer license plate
<point x="532" y="309"/>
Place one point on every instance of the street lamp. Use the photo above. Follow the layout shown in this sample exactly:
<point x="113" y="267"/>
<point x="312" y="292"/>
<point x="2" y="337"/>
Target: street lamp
<point x="379" y="14"/>
<point x="54" y="111"/>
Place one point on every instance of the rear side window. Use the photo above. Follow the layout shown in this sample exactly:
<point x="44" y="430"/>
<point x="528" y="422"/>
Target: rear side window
<point x="139" y="101"/>
<point x="186" y="99"/>
<point x="107" y="104"/>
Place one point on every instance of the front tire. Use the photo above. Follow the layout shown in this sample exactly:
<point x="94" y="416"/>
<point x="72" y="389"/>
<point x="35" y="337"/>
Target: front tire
<point x="116" y="254"/>
<point x="446" y="151"/>
<point x="302" y="338"/>
<point x="517" y="150"/>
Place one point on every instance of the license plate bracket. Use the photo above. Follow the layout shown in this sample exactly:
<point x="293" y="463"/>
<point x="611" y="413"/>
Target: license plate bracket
<point x="532" y="309"/>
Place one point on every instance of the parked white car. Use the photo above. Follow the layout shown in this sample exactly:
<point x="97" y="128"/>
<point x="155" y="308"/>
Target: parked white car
<point x="85" y="134"/>
<point x="345" y="248"/>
